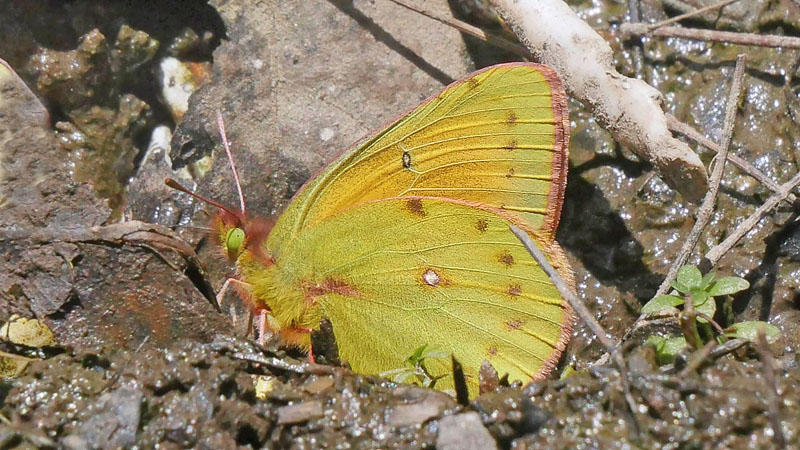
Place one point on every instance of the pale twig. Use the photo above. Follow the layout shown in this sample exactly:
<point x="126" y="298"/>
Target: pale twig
<point x="489" y="38"/>
<point x="730" y="37"/>
<point x="707" y="207"/>
<point x="282" y="364"/>
<point x="676" y="126"/>
<point x="696" y="12"/>
<point x="713" y="256"/>
<point x="582" y="311"/>
<point x="226" y="144"/>
<point x="773" y="408"/>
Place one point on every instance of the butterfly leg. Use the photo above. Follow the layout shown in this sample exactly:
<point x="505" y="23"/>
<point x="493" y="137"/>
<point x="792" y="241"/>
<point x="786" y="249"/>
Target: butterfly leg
<point x="311" y="347"/>
<point x="262" y="327"/>
<point x="226" y="285"/>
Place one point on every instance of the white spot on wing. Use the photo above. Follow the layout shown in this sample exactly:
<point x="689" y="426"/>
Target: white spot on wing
<point x="431" y="278"/>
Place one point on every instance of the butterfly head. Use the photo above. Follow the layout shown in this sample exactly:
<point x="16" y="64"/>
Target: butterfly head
<point x="237" y="233"/>
<point x="229" y="230"/>
<point x="234" y="230"/>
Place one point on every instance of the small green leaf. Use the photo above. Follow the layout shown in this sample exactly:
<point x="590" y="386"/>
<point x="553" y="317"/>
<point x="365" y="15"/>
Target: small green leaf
<point x="392" y="372"/>
<point x="682" y="288"/>
<point x="402" y="377"/>
<point x="661" y="303"/>
<point x="416" y="356"/>
<point x="656" y="342"/>
<point x="748" y="330"/>
<point x="674" y="346"/>
<point x="707" y="279"/>
<point x="728" y="285"/>
<point x="568" y="372"/>
<point x="668" y="348"/>
<point x="435" y="353"/>
<point x="690" y="277"/>
<point x="709" y="308"/>
<point x="699" y="297"/>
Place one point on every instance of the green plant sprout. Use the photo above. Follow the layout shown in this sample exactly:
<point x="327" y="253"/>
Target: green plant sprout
<point x="697" y="323"/>
<point x="416" y="372"/>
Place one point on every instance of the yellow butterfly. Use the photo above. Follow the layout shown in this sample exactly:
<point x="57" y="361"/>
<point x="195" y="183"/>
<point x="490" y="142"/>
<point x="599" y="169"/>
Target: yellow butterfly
<point x="403" y="241"/>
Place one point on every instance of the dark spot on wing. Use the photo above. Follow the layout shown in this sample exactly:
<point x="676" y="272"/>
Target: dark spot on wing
<point x="414" y="205"/>
<point x="514" y="324"/>
<point x="510" y="173"/>
<point x="329" y="286"/>
<point x="506" y="259"/>
<point x="473" y="83"/>
<point x="406" y="160"/>
<point x="514" y="290"/>
<point x="512" y="144"/>
<point x="482" y="225"/>
<point x="491" y="351"/>
<point x="511" y="119"/>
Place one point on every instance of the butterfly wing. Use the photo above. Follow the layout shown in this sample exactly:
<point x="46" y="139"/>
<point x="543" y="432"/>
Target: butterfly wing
<point x="399" y="273"/>
<point x="498" y="137"/>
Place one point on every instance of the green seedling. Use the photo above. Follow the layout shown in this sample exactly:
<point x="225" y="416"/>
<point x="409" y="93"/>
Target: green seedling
<point x="415" y="371"/>
<point x="697" y="322"/>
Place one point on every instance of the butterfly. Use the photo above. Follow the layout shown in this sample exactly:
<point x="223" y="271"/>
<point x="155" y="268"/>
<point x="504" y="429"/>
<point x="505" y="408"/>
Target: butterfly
<point x="403" y="241"/>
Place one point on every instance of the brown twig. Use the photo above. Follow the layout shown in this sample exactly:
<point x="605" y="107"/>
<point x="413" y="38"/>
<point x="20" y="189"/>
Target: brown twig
<point x="638" y="46"/>
<point x="698" y="358"/>
<point x="696" y="12"/>
<point x="756" y="40"/>
<point x="728" y="347"/>
<point x="471" y="30"/>
<point x="773" y="408"/>
<point x="676" y="126"/>
<point x="713" y="256"/>
<point x="688" y="322"/>
<point x="583" y="312"/>
<point x="707" y="207"/>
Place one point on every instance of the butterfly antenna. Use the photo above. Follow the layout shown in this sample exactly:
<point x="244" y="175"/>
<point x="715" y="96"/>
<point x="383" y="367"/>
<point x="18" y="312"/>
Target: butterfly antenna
<point x="192" y="227"/>
<point x="221" y="125"/>
<point x="178" y="187"/>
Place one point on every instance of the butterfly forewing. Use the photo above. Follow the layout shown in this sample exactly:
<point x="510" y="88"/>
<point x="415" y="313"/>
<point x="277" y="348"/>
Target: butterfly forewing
<point x="498" y="137"/>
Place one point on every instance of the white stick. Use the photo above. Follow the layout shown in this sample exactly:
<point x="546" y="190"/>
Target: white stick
<point x="628" y="108"/>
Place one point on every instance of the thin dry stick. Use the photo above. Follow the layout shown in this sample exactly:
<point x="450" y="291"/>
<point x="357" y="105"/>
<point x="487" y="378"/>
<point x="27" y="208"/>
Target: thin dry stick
<point x="773" y="410"/>
<point x="713" y="256"/>
<point x="282" y="364"/>
<point x="707" y="207"/>
<point x="676" y="126"/>
<point x="226" y="144"/>
<point x="689" y="14"/>
<point x="698" y="358"/>
<point x="471" y="30"/>
<point x="728" y="347"/>
<point x="756" y="40"/>
<point x="583" y="312"/>
<point x="638" y="46"/>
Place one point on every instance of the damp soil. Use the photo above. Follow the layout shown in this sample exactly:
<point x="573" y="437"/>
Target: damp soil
<point x="145" y="358"/>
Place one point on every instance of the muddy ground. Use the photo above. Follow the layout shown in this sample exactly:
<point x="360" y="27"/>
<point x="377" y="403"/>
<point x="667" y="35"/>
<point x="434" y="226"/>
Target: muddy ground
<point x="144" y="358"/>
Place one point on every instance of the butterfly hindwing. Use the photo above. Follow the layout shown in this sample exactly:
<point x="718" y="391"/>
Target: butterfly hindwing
<point x="398" y="273"/>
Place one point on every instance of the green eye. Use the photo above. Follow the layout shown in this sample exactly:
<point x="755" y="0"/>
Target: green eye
<point x="234" y="240"/>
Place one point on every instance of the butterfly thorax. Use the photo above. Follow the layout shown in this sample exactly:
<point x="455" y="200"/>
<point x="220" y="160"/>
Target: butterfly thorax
<point x="292" y="309"/>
